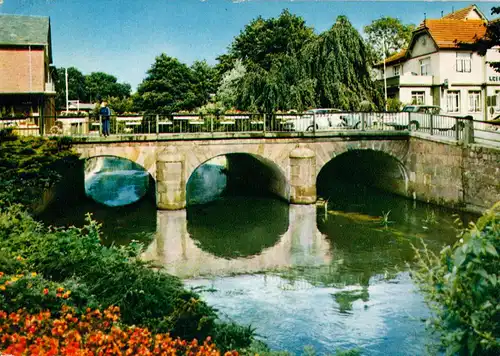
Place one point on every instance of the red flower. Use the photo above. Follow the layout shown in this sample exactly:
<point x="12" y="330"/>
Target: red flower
<point x="45" y="291"/>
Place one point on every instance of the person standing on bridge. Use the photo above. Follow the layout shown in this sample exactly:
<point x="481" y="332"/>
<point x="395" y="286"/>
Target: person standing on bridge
<point x="105" y="114"/>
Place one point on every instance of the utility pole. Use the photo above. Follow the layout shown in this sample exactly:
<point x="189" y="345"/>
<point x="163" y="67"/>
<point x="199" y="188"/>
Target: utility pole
<point x="66" y="79"/>
<point x="385" y="73"/>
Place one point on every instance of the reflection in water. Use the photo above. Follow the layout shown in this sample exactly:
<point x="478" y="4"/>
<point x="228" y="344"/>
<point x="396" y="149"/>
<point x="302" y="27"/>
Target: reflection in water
<point x="272" y="247"/>
<point x="331" y="278"/>
<point x="120" y="225"/>
<point x="231" y="227"/>
<point x="115" y="181"/>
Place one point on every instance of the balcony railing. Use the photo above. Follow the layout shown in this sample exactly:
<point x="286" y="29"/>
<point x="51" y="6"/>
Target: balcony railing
<point x="410" y="80"/>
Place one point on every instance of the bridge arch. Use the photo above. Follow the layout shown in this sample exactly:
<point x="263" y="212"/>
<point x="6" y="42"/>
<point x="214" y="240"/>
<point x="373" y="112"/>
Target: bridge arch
<point x="116" y="180"/>
<point x="242" y="172"/>
<point x="370" y="167"/>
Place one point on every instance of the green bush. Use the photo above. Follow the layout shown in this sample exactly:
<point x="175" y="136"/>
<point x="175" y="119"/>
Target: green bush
<point x="462" y="287"/>
<point x="110" y="276"/>
<point x="29" y="166"/>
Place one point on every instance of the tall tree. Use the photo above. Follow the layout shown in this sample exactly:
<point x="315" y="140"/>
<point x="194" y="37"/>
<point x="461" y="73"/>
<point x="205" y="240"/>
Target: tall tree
<point x="263" y="39"/>
<point x="77" y="89"/>
<point x="390" y="33"/>
<point x="338" y="60"/>
<point x="204" y="82"/>
<point x="285" y="86"/>
<point x="167" y="87"/>
<point x="227" y="92"/>
<point x="102" y="85"/>
<point x="492" y="37"/>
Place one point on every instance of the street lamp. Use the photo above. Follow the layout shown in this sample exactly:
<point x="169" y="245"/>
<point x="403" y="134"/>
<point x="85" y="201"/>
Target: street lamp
<point x="385" y="73"/>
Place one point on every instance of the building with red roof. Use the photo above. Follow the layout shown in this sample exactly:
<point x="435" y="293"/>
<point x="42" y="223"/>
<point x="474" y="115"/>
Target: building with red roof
<point x="440" y="67"/>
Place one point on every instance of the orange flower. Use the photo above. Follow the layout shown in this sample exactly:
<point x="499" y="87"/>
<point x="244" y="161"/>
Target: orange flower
<point x="45" y="291"/>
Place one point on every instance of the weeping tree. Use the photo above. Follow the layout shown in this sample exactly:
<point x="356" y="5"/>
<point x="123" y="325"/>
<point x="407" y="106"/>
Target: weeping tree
<point x="284" y="86"/>
<point x="339" y="62"/>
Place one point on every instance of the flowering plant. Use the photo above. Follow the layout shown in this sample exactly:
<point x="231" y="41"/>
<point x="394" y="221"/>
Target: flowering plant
<point x="91" y="333"/>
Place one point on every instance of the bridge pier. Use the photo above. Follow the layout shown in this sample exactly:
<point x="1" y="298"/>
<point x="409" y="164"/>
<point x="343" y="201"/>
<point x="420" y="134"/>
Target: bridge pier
<point x="302" y="175"/>
<point x="170" y="180"/>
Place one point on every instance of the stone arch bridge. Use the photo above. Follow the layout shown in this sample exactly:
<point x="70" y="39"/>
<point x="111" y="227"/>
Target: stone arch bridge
<point x="417" y="167"/>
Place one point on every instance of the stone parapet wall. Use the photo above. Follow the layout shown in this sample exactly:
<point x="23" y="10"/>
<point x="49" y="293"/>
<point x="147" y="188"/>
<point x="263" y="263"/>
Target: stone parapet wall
<point x="481" y="178"/>
<point x="435" y="173"/>
<point x="452" y="175"/>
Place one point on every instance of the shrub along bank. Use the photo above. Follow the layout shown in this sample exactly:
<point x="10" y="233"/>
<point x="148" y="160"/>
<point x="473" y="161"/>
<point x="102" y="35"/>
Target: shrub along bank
<point x="39" y="264"/>
<point x="462" y="287"/>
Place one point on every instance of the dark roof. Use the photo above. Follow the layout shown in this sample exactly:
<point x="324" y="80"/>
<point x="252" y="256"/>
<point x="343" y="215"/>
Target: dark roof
<point x="16" y="30"/>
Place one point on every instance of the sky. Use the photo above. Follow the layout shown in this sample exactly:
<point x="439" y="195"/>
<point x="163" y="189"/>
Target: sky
<point x="123" y="37"/>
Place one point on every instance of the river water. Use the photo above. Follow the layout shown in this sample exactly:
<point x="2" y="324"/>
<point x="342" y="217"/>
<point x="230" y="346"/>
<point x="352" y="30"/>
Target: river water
<point x="333" y="276"/>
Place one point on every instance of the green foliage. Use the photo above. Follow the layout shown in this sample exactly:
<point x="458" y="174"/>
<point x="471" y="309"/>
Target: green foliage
<point x="262" y="40"/>
<point x="259" y="348"/>
<point x="172" y="86"/>
<point x="77" y="89"/>
<point x="102" y="86"/>
<point x="396" y="35"/>
<point x="394" y="105"/>
<point x="29" y="166"/>
<point x="88" y="88"/>
<point x="119" y="105"/>
<point x="285" y="86"/>
<point x="74" y="258"/>
<point x="27" y="292"/>
<point x="462" y="286"/>
<point x="338" y="60"/>
<point x="491" y="39"/>
<point x="204" y="82"/>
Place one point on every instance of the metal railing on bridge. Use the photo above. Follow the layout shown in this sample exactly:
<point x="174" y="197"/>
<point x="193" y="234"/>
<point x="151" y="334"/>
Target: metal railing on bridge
<point x="310" y="124"/>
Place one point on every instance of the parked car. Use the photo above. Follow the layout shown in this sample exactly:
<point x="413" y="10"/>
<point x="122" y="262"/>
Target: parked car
<point x="324" y="118"/>
<point x="420" y="117"/>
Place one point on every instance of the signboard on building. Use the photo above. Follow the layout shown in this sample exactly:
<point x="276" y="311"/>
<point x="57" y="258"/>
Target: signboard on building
<point x="494" y="78"/>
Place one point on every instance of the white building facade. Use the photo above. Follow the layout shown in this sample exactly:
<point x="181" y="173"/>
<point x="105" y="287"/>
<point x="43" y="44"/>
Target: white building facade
<point x="441" y="68"/>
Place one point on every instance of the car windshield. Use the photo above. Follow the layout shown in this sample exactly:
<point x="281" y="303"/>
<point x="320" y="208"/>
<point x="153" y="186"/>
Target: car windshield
<point x="409" y="109"/>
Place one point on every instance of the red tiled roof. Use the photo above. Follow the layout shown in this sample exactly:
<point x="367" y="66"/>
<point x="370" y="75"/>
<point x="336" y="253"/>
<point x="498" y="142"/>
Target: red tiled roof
<point x="459" y="14"/>
<point x="455" y="33"/>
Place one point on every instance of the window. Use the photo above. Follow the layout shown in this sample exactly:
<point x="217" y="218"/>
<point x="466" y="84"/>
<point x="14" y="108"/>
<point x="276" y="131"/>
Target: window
<point x="475" y="101"/>
<point x="497" y="93"/>
<point x="418" y="97"/>
<point x="396" y="70"/>
<point x="425" y="66"/>
<point x="453" y="101"/>
<point x="464" y="62"/>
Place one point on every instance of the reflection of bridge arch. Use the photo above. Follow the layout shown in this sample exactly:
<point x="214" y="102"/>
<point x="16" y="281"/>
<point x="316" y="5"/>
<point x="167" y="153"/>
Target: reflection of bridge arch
<point x="174" y="248"/>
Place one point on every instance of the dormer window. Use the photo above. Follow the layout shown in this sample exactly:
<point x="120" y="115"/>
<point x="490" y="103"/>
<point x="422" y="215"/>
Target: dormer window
<point x="425" y="66"/>
<point x="396" y="69"/>
<point x="464" y="62"/>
